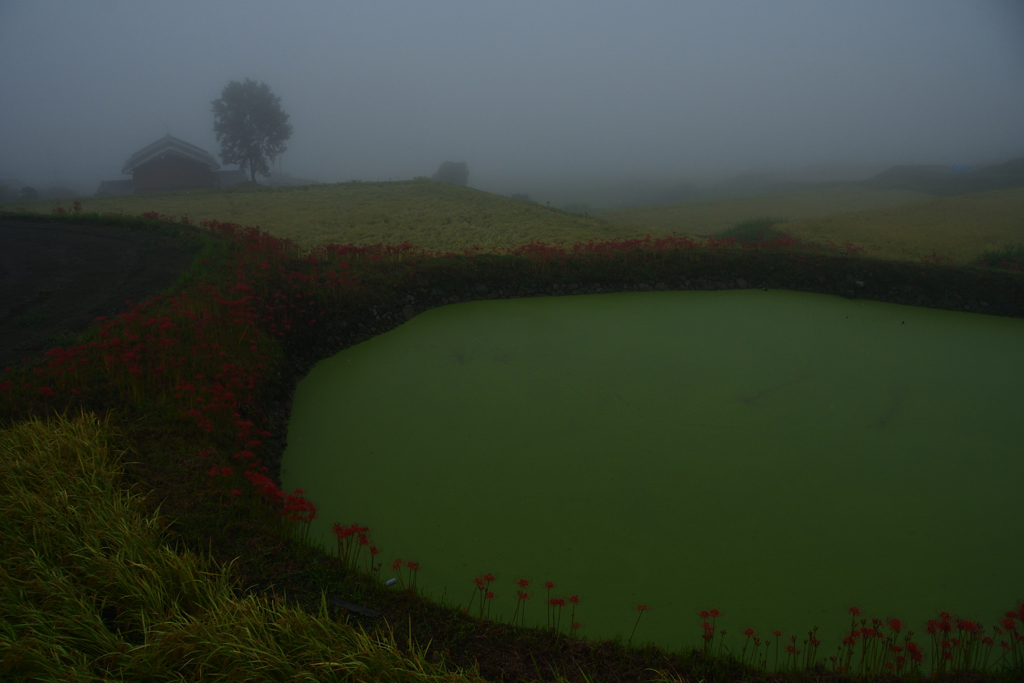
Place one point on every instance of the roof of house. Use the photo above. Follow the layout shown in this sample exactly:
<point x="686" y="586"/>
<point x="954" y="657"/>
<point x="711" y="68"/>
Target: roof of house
<point x="169" y="146"/>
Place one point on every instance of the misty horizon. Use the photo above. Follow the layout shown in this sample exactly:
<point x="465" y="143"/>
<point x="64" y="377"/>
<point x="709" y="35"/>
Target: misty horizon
<point x="527" y="95"/>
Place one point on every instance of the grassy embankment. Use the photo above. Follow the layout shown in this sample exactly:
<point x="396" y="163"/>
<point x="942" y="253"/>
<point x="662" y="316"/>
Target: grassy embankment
<point x="95" y="592"/>
<point x="182" y="421"/>
<point x="903" y="225"/>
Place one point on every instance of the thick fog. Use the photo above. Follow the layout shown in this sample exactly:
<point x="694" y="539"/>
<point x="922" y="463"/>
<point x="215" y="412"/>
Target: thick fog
<point x="524" y="92"/>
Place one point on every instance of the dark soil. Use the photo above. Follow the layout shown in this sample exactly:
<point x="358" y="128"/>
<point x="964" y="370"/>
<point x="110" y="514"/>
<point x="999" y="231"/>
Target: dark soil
<point x="56" y="278"/>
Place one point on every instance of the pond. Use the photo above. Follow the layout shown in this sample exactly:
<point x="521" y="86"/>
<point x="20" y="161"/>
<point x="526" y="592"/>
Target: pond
<point x="778" y="456"/>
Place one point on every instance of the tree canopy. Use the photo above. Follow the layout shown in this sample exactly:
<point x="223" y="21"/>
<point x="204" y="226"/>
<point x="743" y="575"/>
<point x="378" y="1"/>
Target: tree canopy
<point x="251" y="126"/>
<point x="456" y="173"/>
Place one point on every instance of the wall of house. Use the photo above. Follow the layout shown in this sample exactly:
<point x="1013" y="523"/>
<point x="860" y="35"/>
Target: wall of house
<point x="172" y="173"/>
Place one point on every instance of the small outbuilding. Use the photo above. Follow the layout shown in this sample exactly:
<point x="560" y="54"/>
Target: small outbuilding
<point x="171" y="164"/>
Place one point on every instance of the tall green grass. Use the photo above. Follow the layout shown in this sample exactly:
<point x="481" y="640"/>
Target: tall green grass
<point x="91" y="591"/>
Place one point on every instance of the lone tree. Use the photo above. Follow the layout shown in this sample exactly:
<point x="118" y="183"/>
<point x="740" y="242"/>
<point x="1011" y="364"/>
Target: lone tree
<point x="452" y="172"/>
<point x="250" y="125"/>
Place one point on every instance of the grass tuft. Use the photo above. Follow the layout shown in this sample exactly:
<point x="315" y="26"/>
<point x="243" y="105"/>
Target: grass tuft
<point x="91" y="592"/>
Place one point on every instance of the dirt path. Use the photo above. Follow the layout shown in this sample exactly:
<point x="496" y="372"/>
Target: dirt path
<point x="55" y="278"/>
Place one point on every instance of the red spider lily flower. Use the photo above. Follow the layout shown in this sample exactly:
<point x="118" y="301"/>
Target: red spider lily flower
<point x="715" y="613"/>
<point x="575" y="626"/>
<point x="397" y="564"/>
<point x="791" y="649"/>
<point x="815" y="642"/>
<point x="489" y="578"/>
<point x="705" y="614"/>
<point x="235" y="492"/>
<point x="776" y="633"/>
<point x="641" y="608"/>
<point x="896" y="625"/>
<point x="479" y="582"/>
<point x="414" y="566"/>
<point x="945" y="616"/>
<point x="523" y="595"/>
<point x="749" y="633"/>
<point x="374" y="552"/>
<point x="556" y="602"/>
<point x="549" y="584"/>
<point x="987" y="640"/>
<point x="523" y="583"/>
<point x="855" y="611"/>
<point x="1008" y="624"/>
<point x="574" y="600"/>
<point x="226" y="471"/>
<point x="489" y="595"/>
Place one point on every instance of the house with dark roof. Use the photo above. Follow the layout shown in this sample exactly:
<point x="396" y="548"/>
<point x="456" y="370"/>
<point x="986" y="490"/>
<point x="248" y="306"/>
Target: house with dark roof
<point x="170" y="164"/>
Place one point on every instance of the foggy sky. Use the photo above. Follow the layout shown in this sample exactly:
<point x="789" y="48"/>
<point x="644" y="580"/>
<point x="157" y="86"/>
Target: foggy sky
<point x="380" y="90"/>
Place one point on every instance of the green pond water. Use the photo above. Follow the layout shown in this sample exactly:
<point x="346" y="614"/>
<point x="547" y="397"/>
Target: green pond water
<point x="778" y="456"/>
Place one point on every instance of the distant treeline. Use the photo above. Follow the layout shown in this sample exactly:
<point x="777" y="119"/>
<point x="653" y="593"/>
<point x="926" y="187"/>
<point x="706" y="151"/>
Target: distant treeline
<point x="950" y="180"/>
<point x="937" y="180"/>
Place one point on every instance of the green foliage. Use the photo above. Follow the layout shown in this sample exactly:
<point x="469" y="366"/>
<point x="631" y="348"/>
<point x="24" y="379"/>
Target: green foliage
<point x="1010" y="257"/>
<point x="754" y="230"/>
<point x="100" y="596"/>
<point x="250" y="125"/>
<point x="456" y="173"/>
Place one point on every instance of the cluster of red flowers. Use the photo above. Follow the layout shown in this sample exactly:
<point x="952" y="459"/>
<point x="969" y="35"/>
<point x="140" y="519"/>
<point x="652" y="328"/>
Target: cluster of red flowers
<point x="76" y="207"/>
<point x="961" y="644"/>
<point x="351" y="541"/>
<point x="199" y="350"/>
<point x="298" y="509"/>
<point x="482" y="587"/>
<point x="708" y="629"/>
<point x="413" y="567"/>
<point x="879" y="651"/>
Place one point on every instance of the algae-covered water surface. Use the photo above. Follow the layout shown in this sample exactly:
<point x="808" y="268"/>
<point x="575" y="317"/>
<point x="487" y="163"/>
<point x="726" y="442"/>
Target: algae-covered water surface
<point x="777" y="456"/>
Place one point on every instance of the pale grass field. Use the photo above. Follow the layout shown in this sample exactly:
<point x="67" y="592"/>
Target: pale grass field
<point x="437" y="216"/>
<point x="428" y="214"/>
<point x="708" y="217"/>
<point x="960" y="228"/>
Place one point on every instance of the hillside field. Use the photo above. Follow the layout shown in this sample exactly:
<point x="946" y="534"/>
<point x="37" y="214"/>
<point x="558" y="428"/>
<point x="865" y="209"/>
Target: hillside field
<point x="711" y="216"/>
<point x="903" y="224"/>
<point x="961" y="228"/>
<point x="428" y="214"/>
